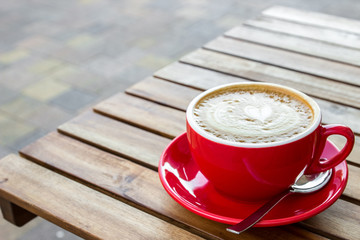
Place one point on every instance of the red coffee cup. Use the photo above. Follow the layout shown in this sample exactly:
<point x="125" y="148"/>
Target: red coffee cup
<point x="258" y="171"/>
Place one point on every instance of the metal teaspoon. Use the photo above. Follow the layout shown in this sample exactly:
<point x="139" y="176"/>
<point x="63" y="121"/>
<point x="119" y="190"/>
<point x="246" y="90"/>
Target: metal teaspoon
<point x="305" y="184"/>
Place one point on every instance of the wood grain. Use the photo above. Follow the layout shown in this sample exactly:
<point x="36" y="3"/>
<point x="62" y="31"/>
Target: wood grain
<point x="156" y="90"/>
<point x="147" y="115"/>
<point x="337" y="113"/>
<point x="300" y="45"/>
<point x="195" y="77"/>
<point x="352" y="189"/>
<point x="332" y="112"/>
<point x="314" y="18"/>
<point x="117" y="137"/>
<point x="342" y="212"/>
<point x="289" y="60"/>
<point x="77" y="208"/>
<point x="331" y="36"/>
<point x="133" y="183"/>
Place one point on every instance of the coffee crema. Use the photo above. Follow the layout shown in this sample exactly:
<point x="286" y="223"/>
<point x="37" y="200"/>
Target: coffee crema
<point x="253" y="114"/>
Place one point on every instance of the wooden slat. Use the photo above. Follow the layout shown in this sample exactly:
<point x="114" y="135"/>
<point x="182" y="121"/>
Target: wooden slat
<point x="296" y="44"/>
<point x="340" y="219"/>
<point x="133" y="183"/>
<point x="142" y="89"/>
<point x="290" y="60"/>
<point x="115" y="136"/>
<point x="332" y="112"/>
<point x="194" y="77"/>
<point x="352" y="189"/>
<point x="317" y="33"/>
<point x="88" y="213"/>
<point x="147" y="115"/>
<point x="337" y="113"/>
<point x="156" y="90"/>
<point x="314" y="18"/>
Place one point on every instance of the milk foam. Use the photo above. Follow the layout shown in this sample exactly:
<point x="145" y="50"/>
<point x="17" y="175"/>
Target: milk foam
<point x="252" y="115"/>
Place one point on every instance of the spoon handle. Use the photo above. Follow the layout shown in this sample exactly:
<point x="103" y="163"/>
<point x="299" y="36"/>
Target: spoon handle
<point x="258" y="214"/>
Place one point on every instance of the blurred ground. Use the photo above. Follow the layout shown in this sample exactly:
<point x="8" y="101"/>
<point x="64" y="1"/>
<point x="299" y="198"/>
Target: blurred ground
<point x="57" y="58"/>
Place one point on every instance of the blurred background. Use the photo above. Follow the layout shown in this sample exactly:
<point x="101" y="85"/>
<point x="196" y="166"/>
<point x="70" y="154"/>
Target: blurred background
<point x="57" y="58"/>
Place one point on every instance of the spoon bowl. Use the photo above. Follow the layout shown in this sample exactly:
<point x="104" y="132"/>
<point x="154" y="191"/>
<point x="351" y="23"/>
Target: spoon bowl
<point x="311" y="183"/>
<point x="304" y="184"/>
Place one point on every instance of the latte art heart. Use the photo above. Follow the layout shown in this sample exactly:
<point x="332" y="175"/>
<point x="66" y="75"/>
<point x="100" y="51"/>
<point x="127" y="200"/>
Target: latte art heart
<point x="259" y="113"/>
<point x="252" y="116"/>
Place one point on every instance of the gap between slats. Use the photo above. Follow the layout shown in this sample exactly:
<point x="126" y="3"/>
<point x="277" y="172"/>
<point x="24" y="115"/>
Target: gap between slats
<point x="116" y="137"/>
<point x="141" y="113"/>
<point x="295" y="44"/>
<point x="254" y="71"/>
<point x="314" y="19"/>
<point x="321" y="68"/>
<point x="306" y="31"/>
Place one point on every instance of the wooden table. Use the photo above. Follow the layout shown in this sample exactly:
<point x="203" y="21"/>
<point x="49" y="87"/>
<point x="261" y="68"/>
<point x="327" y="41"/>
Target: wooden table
<point x="96" y="176"/>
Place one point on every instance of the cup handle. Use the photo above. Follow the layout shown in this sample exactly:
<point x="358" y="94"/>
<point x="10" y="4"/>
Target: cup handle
<point x="322" y="164"/>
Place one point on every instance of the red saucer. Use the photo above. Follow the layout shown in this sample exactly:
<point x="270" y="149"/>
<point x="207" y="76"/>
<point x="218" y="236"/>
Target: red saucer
<point x="184" y="182"/>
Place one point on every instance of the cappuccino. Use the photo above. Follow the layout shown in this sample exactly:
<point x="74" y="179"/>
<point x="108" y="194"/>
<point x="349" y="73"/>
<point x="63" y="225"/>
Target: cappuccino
<point x="253" y="114"/>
